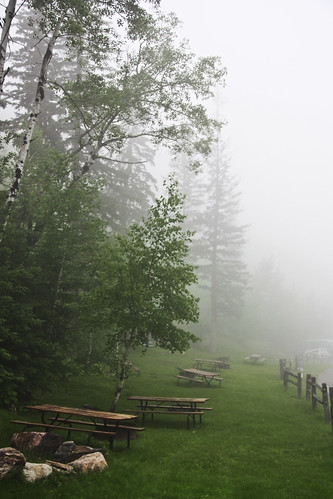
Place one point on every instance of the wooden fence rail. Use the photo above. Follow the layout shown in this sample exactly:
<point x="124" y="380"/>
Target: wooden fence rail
<point x="298" y="383"/>
<point x="311" y="388"/>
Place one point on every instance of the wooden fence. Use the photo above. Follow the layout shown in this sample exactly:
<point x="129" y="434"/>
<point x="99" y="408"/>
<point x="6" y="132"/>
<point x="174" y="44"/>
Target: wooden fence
<point x="312" y="389"/>
<point x="311" y="394"/>
<point x="331" y="402"/>
<point x="289" y="377"/>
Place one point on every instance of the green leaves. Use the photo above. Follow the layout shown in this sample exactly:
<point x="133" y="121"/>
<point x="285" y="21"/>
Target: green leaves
<point x="142" y="285"/>
<point x="152" y="86"/>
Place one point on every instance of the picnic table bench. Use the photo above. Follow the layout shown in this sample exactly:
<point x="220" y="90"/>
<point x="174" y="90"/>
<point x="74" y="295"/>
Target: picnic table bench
<point x="189" y="378"/>
<point x="171" y="406"/>
<point x="215" y="364"/>
<point x="97" y="423"/>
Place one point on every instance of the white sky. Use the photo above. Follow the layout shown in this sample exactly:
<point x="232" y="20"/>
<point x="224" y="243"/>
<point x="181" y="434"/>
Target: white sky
<point x="279" y="105"/>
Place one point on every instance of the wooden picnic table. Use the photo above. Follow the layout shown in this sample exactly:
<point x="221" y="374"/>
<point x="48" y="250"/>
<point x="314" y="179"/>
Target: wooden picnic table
<point x="255" y="358"/>
<point x="94" y="422"/>
<point x="187" y="406"/>
<point x="198" y="375"/>
<point x="213" y="363"/>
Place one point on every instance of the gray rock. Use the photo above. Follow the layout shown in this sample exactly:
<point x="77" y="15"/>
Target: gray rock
<point x="36" y="471"/>
<point x="11" y="460"/>
<point x="90" y="462"/>
<point x="34" y="440"/>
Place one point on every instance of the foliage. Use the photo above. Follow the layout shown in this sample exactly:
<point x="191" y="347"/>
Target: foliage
<point x="213" y="207"/>
<point x="141" y="284"/>
<point x="130" y="80"/>
<point x="223" y="237"/>
<point x="154" y="88"/>
<point x="45" y="251"/>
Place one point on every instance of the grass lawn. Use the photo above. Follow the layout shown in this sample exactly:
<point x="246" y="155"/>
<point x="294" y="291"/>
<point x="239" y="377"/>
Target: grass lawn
<point x="258" y="441"/>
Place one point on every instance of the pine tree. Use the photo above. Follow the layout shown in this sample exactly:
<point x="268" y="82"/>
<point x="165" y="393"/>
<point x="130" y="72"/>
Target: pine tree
<point x="222" y="242"/>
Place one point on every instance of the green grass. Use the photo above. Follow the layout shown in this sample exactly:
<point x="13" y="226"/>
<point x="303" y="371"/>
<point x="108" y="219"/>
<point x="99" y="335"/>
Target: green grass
<point x="258" y="442"/>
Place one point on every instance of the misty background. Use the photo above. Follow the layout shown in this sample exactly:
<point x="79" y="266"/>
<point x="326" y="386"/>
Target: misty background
<point x="278" y="103"/>
<point x="277" y="107"/>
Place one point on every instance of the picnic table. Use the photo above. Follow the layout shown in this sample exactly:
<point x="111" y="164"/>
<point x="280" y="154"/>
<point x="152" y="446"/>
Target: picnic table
<point x="214" y="364"/>
<point x="255" y="358"/>
<point x="93" y="422"/>
<point x="187" y="406"/>
<point x="198" y="376"/>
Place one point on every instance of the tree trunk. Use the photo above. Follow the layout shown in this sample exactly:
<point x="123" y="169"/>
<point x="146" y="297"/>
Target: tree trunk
<point x="31" y="124"/>
<point x="120" y="386"/>
<point x="10" y="12"/>
<point x="34" y="114"/>
<point x="214" y="265"/>
<point x="213" y="313"/>
<point x="121" y="380"/>
<point x="56" y="294"/>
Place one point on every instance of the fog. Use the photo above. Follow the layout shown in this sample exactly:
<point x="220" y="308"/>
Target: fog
<point x="278" y="103"/>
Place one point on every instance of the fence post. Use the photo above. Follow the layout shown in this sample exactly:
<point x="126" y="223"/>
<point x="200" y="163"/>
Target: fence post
<point x="325" y="402"/>
<point x="285" y="378"/>
<point x="331" y="403"/>
<point x="282" y="366"/>
<point x="308" y="387"/>
<point x="299" y="384"/>
<point x="296" y="363"/>
<point x="313" y="392"/>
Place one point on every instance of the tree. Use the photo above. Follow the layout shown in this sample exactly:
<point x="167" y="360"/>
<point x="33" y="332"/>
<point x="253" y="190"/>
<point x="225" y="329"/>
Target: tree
<point x="9" y="14"/>
<point x="83" y="25"/>
<point x="212" y="206"/>
<point x="154" y="90"/>
<point x="44" y="266"/>
<point x="276" y="318"/>
<point x="143" y="84"/>
<point x="128" y="185"/>
<point x="222" y="242"/>
<point x="141" y="286"/>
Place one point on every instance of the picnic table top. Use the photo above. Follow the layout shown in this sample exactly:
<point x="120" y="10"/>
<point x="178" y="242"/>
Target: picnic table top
<point x="200" y="372"/>
<point x="150" y="398"/>
<point x="74" y="411"/>
<point x="209" y="360"/>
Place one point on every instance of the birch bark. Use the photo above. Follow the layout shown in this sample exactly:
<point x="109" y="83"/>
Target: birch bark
<point x="121" y="379"/>
<point x="34" y="114"/>
<point x="10" y="12"/>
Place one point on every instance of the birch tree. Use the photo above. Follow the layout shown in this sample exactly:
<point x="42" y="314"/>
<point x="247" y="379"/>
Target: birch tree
<point x="141" y="289"/>
<point x="156" y="89"/>
<point x="83" y="25"/>
<point x="9" y="15"/>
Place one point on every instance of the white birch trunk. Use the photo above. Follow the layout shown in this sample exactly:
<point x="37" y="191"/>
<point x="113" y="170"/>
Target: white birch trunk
<point x="10" y="12"/>
<point x="121" y="380"/>
<point x="34" y="114"/>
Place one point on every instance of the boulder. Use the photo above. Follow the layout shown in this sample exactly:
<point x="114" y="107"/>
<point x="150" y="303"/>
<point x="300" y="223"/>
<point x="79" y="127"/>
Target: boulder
<point x="90" y="462"/>
<point x="35" y="440"/>
<point x="11" y="460"/>
<point x="36" y="471"/>
<point x="69" y="451"/>
<point x="65" y="450"/>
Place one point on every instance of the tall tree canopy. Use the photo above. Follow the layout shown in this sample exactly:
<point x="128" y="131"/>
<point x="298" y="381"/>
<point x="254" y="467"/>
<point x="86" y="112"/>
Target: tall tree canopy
<point x="213" y="207"/>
